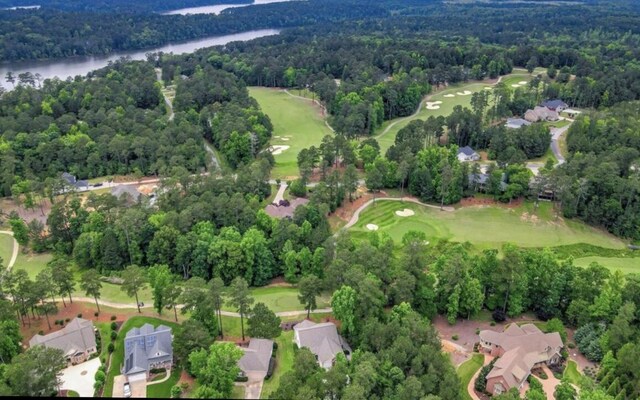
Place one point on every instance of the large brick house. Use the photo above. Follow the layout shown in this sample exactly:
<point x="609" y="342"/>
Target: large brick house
<point x="521" y="349"/>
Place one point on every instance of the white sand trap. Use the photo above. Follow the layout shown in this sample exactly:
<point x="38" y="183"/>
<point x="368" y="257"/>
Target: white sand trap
<point x="465" y="93"/>
<point x="449" y="95"/>
<point x="372" y="227"/>
<point x="487" y="88"/>
<point x="276" y="137"/>
<point x="523" y="82"/>
<point x="515" y="85"/>
<point x="275" y="150"/>
<point x="407" y="212"/>
<point x="285" y="139"/>
<point x="433" y="105"/>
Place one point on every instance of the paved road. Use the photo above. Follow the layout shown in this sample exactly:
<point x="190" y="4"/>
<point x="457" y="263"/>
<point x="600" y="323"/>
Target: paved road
<point x="280" y="194"/>
<point x="556" y="133"/>
<point x="356" y="215"/>
<point x="16" y="247"/>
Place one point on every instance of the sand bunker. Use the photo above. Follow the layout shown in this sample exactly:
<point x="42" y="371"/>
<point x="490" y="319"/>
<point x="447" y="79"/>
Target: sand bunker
<point x="372" y="227"/>
<point x="487" y="88"/>
<point x="433" y="105"/>
<point x="449" y="95"/>
<point x="405" y="213"/>
<point x="515" y="85"/>
<point x="465" y="93"/>
<point x="275" y="150"/>
<point x="285" y="139"/>
<point x="523" y="82"/>
<point x="276" y="137"/>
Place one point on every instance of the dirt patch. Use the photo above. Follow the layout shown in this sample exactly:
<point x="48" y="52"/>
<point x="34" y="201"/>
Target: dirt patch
<point x="526" y="217"/>
<point x="486" y="202"/>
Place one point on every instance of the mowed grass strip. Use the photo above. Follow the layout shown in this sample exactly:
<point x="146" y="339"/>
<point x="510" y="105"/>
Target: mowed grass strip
<point x="284" y="363"/>
<point x="282" y="299"/>
<point x="571" y="372"/>
<point x="485" y="227"/>
<point x="625" y="265"/>
<point x="466" y="370"/>
<point x="295" y="119"/>
<point x="6" y="248"/>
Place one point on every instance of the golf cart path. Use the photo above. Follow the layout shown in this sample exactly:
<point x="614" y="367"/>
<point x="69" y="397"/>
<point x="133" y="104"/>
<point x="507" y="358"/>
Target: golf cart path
<point x="223" y="312"/>
<point x="14" y="255"/>
<point x="356" y="215"/>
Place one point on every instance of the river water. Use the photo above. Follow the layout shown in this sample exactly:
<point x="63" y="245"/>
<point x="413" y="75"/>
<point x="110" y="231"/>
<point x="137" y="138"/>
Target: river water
<point x="64" y="68"/>
<point x="217" y="8"/>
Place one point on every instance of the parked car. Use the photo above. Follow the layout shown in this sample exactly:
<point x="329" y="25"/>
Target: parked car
<point x="97" y="184"/>
<point x="127" y="390"/>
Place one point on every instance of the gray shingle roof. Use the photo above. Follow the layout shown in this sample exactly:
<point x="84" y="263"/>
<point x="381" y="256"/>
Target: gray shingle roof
<point x="322" y="339"/>
<point x="77" y="336"/>
<point x="257" y="356"/>
<point x="130" y="192"/>
<point x="553" y="104"/>
<point x="466" y="150"/>
<point x="144" y="345"/>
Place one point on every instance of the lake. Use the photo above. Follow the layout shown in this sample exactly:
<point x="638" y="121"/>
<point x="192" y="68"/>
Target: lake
<point x="64" y="68"/>
<point x="217" y="8"/>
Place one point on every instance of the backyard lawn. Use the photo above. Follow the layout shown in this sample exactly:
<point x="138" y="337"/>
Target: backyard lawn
<point x="284" y="363"/>
<point x="6" y="248"/>
<point x="163" y="390"/>
<point x="571" y="372"/>
<point x="466" y="370"/>
<point x="281" y="299"/>
<point x="486" y="227"/>
<point x="32" y="263"/>
<point x="118" y="355"/>
<point x="625" y="265"/>
<point x="297" y="123"/>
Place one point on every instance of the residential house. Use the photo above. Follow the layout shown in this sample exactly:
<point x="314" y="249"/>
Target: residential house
<point x="520" y="348"/>
<point x="323" y="340"/>
<point x="479" y="182"/>
<point x="466" y="153"/>
<point x="555" y="105"/>
<point x="72" y="181"/>
<point x="539" y="114"/>
<point x="255" y="362"/>
<point x="147" y="348"/>
<point x="516" y="123"/>
<point x="129" y="194"/>
<point x="572" y="113"/>
<point x="77" y="340"/>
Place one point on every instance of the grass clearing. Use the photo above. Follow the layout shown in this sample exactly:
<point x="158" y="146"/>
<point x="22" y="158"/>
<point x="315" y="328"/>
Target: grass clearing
<point x="295" y="119"/>
<point x="279" y="298"/>
<point x="32" y="262"/>
<point x="485" y="227"/>
<point x="466" y="370"/>
<point x="284" y="363"/>
<point x="625" y="265"/>
<point x="117" y="357"/>
<point x="6" y="249"/>
<point x="571" y="372"/>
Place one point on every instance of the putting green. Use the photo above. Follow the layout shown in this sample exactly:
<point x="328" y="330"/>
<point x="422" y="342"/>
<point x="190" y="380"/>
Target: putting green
<point x="453" y="95"/>
<point x="625" y="265"/>
<point x="297" y="123"/>
<point x="485" y="227"/>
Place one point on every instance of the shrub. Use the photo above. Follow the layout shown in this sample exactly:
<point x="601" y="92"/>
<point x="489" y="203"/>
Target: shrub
<point x="481" y="381"/>
<point x="80" y="315"/>
<point x="55" y="322"/>
<point x="175" y="392"/>
<point x="67" y="319"/>
<point x="40" y="332"/>
<point x="95" y="314"/>
<point x="275" y="346"/>
<point x="455" y="337"/>
<point x="111" y="347"/>
<point x="242" y="379"/>
<point x="492" y="323"/>
<point x="571" y="345"/>
<point x="114" y="326"/>
<point x="477" y="331"/>
<point x="543" y="375"/>
<point x="114" y="335"/>
<point x="100" y="376"/>
<point x="102" y="368"/>
<point x="499" y="315"/>
<point x="297" y="188"/>
<point x="113" y="317"/>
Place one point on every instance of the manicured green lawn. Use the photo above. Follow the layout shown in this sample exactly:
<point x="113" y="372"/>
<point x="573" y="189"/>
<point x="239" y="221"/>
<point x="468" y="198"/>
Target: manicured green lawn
<point x="626" y="265"/>
<point x="237" y="392"/>
<point x="32" y="263"/>
<point x="118" y="355"/>
<point x="163" y="390"/>
<point x="6" y="248"/>
<point x="486" y="227"/>
<point x="281" y="299"/>
<point x="284" y="363"/>
<point x="294" y="119"/>
<point x="571" y="372"/>
<point x="466" y="370"/>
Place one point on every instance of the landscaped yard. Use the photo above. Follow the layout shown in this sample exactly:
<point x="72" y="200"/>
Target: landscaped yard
<point x="466" y="370"/>
<point x="281" y="299"/>
<point x="297" y="123"/>
<point x="571" y="372"/>
<point x="626" y="265"/>
<point x="284" y="363"/>
<point x="118" y="355"/>
<point x="163" y="390"/>
<point x="485" y="227"/>
<point x="238" y="392"/>
<point x="6" y="248"/>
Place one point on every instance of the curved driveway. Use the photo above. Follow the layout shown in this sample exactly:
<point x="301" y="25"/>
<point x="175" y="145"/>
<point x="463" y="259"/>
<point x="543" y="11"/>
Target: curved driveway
<point x="14" y="255"/>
